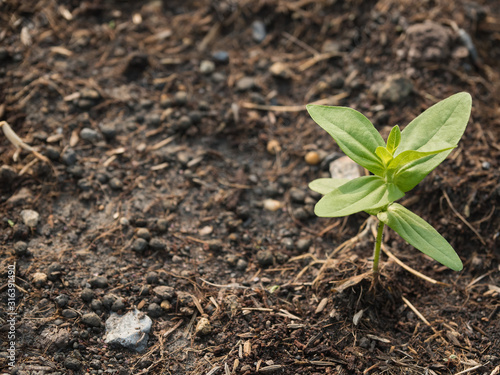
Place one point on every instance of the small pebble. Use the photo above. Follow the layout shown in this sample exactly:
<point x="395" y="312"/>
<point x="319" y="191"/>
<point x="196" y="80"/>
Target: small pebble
<point x="118" y="305"/>
<point x="273" y="147"/>
<point x="203" y="327"/>
<point x="221" y="56"/>
<point x="96" y="305"/>
<point x="165" y="305"/>
<point x="287" y="242"/>
<point x="90" y="94"/>
<point x="90" y="135"/>
<point x="157" y="244"/>
<point x="98" y="282"/>
<point x="91" y="320"/>
<point x="84" y="184"/>
<point x="7" y="174"/>
<point x="108" y="300"/>
<point x="52" y="153"/>
<point x="71" y="363"/>
<point x="151" y="277"/>
<point x="258" y="31"/>
<point x="87" y="294"/>
<point x="21" y="248"/>
<point x="154" y="310"/>
<point x="180" y="98"/>
<point x="395" y="89"/>
<point x="231" y="259"/>
<point x="241" y="264"/>
<point x="39" y="279"/>
<point x="486" y="165"/>
<point x="146" y="103"/>
<point x="144" y="233"/>
<point x="297" y="195"/>
<point x="76" y="171"/>
<point x="139" y="245"/>
<point x="115" y="183"/>
<point x="176" y="259"/>
<point x="303" y="244"/>
<point x="245" y="84"/>
<point x="184" y="122"/>
<point x="312" y="158"/>
<point x="195" y="116"/>
<point x="124" y="222"/>
<point x="153" y="119"/>
<point x="344" y="167"/>
<point x="281" y="70"/>
<point x="207" y="67"/>
<point x="69" y="313"/>
<point x="272" y="204"/>
<point x="164" y="292"/>
<point x="215" y="245"/>
<point x="62" y="300"/>
<point x="30" y="218"/>
<point x="300" y="213"/>
<point x="265" y="257"/>
<point x="108" y="130"/>
<point x="162" y="225"/>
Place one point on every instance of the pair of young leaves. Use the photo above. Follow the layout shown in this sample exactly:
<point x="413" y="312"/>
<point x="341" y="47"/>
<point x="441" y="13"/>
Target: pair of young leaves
<point x="397" y="167"/>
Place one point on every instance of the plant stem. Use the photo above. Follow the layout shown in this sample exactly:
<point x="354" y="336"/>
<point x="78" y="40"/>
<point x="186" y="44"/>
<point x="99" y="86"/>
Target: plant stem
<point x="378" y="244"/>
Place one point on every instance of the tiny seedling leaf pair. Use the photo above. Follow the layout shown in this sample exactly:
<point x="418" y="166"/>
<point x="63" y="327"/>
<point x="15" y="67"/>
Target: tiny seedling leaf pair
<point x="397" y="165"/>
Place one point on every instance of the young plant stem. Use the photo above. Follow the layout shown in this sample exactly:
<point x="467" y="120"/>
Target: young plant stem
<point x="378" y="244"/>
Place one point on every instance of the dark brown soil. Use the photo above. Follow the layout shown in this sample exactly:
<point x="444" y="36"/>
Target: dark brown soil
<point x="157" y="118"/>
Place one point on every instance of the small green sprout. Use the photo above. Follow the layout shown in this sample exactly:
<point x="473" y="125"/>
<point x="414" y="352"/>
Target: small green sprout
<point x="397" y="167"/>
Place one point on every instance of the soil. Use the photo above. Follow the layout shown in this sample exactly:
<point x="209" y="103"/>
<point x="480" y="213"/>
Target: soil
<point x="177" y="139"/>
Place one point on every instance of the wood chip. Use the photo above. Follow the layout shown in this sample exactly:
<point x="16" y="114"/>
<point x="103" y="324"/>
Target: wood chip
<point x="247" y="348"/>
<point x="356" y="318"/>
<point x="270" y="368"/>
<point x="61" y="51"/>
<point x="65" y="13"/>
<point x="321" y="305"/>
<point x="378" y="338"/>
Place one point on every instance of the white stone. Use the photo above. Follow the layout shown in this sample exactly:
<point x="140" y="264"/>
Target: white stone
<point x="30" y="218"/>
<point x="344" y="167"/>
<point x="130" y="330"/>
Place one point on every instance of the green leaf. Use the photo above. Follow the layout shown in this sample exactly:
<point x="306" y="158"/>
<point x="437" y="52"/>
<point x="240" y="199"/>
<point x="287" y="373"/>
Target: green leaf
<point x="421" y="235"/>
<point x="362" y="193"/>
<point x="353" y="132"/>
<point x="394" y="139"/>
<point x="383" y="154"/>
<point x="407" y="157"/>
<point x="326" y="185"/>
<point x="440" y="126"/>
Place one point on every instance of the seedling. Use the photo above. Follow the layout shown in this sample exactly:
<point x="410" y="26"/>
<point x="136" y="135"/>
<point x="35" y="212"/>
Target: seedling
<point x="397" y="165"/>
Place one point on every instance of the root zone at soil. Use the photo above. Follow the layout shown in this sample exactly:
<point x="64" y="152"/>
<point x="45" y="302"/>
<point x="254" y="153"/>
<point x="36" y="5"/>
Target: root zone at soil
<point x="179" y="156"/>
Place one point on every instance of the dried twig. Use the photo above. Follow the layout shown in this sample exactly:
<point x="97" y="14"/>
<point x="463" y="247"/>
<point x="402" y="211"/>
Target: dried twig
<point x="332" y="100"/>
<point x="463" y="218"/>
<point x="18" y="142"/>
<point x="414" y="309"/>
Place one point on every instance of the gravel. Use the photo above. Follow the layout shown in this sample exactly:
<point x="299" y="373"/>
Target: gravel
<point x="265" y="258"/>
<point x="91" y="320"/>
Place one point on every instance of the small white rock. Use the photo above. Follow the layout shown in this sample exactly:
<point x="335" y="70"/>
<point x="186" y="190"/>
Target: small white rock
<point x="207" y="67"/>
<point x="206" y="230"/>
<point x="30" y="218"/>
<point x="272" y="205"/>
<point x="344" y="167"/>
<point x="130" y="330"/>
